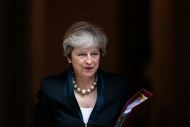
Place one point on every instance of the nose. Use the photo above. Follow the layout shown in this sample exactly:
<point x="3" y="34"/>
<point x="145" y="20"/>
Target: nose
<point x="89" y="59"/>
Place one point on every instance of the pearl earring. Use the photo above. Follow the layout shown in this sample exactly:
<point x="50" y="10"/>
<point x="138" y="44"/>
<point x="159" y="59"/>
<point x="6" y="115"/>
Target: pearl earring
<point x="69" y="60"/>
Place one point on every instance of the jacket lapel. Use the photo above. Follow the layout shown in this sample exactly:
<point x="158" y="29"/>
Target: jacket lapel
<point x="100" y="96"/>
<point x="70" y="94"/>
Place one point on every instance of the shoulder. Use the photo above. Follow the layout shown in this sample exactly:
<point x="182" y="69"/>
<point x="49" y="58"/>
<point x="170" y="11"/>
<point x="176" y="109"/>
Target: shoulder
<point x="113" y="76"/>
<point x="116" y="83"/>
<point x="53" y="87"/>
<point x="114" y="80"/>
<point x="53" y="83"/>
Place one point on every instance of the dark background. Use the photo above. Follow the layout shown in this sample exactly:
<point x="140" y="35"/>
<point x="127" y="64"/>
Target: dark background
<point x="149" y="41"/>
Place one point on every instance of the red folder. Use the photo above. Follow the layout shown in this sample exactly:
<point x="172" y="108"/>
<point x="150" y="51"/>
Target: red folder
<point x="133" y="108"/>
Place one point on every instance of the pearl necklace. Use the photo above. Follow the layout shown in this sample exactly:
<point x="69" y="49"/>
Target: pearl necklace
<point x="84" y="91"/>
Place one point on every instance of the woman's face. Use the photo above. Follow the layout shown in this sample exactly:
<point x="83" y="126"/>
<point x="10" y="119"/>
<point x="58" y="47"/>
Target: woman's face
<point x="85" y="61"/>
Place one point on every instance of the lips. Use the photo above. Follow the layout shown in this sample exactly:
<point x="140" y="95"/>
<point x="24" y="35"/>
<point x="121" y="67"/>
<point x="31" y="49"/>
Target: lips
<point x="88" y="68"/>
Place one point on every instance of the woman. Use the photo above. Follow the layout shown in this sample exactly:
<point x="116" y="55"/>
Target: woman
<point x="83" y="95"/>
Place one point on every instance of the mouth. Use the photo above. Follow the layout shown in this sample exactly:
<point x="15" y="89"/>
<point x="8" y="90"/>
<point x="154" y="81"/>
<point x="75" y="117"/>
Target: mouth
<point x="88" y="68"/>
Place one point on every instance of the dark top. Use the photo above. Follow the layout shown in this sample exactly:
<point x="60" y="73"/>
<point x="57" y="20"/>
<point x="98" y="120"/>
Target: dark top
<point x="58" y="107"/>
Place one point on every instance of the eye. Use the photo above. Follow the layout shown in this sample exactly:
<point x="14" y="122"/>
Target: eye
<point x="81" y="54"/>
<point x="94" y="54"/>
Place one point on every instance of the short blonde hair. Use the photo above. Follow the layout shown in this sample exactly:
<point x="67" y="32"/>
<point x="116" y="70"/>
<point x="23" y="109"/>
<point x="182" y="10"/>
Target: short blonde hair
<point x="84" y="35"/>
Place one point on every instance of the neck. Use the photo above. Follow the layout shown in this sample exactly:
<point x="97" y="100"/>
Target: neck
<point x="84" y="82"/>
<point x="84" y="86"/>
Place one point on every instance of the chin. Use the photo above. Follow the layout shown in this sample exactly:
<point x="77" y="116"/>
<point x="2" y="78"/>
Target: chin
<point x="89" y="73"/>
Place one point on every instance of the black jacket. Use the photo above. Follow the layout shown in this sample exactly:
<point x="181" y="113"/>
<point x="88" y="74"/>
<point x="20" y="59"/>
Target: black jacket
<point x="58" y="107"/>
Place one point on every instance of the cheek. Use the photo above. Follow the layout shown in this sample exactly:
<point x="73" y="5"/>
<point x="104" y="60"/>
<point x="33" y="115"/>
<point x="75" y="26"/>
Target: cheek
<point x="97" y="60"/>
<point x="78" y="61"/>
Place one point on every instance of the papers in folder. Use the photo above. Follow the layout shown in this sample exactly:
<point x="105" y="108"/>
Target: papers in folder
<point x="131" y="108"/>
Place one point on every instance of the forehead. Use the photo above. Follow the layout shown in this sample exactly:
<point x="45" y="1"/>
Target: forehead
<point x="92" y="49"/>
